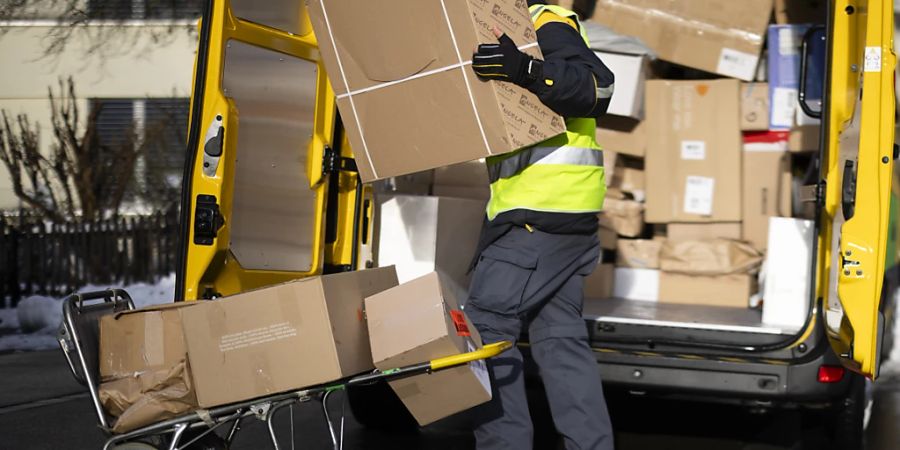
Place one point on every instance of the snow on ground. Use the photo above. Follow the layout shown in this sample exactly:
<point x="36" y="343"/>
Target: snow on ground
<point x="33" y="324"/>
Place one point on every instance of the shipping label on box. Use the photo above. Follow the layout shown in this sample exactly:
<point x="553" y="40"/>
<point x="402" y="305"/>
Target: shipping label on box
<point x="693" y="159"/>
<point x="720" y="36"/>
<point x="384" y="81"/>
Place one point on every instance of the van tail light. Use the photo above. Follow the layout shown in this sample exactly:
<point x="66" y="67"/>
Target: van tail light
<point x="830" y="374"/>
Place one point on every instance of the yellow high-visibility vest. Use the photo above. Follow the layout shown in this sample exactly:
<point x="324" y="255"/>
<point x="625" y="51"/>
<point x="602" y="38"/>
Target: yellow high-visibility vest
<point x="562" y="174"/>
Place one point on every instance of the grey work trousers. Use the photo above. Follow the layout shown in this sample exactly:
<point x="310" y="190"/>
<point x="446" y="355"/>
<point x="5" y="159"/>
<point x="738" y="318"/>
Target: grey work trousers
<point x="535" y="280"/>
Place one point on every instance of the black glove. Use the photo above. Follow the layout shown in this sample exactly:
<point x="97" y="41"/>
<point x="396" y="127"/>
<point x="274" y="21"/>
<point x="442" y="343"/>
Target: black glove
<point x="505" y="62"/>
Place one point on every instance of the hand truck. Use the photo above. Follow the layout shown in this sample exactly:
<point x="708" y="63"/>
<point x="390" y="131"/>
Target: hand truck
<point x="79" y="339"/>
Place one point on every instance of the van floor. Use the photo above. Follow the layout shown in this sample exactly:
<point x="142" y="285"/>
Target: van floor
<point x="704" y="317"/>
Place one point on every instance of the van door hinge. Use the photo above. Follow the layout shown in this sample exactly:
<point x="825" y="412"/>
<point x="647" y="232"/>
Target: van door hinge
<point x="207" y="220"/>
<point x="333" y="163"/>
<point x="813" y="193"/>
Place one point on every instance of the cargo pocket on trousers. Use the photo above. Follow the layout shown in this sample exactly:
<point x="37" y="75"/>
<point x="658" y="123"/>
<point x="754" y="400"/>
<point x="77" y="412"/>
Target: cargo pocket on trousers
<point x="501" y="275"/>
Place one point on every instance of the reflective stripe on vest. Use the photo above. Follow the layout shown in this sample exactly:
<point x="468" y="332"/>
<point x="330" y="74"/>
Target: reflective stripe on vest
<point x="562" y="174"/>
<point x="575" y="156"/>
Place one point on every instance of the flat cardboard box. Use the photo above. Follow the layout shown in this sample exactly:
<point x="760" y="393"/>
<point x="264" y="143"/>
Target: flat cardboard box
<point x="799" y="11"/>
<point x="599" y="284"/>
<point x="754" y="106"/>
<point x="420" y="321"/>
<point x="622" y="135"/>
<point x="718" y="36"/>
<point x="636" y="284"/>
<point x="693" y="231"/>
<point x="625" y="217"/>
<point x="284" y="337"/>
<point x="418" y="235"/>
<point x="143" y="366"/>
<point x="767" y="193"/>
<point x="639" y="253"/>
<point x="693" y="162"/>
<point x="709" y="257"/>
<point x="610" y="160"/>
<point x="413" y="104"/>
<point x="631" y="73"/>
<point x="723" y="290"/>
<point x="786" y="293"/>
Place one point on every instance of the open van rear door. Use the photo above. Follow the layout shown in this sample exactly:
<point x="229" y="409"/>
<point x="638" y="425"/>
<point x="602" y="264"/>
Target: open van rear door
<point x="857" y="165"/>
<point x="262" y="118"/>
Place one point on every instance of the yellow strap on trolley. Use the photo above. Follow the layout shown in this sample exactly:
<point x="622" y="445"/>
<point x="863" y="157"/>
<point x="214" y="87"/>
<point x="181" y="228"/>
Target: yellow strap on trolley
<point x="488" y="351"/>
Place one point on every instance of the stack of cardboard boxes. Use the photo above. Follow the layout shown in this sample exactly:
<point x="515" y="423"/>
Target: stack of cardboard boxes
<point x="712" y="160"/>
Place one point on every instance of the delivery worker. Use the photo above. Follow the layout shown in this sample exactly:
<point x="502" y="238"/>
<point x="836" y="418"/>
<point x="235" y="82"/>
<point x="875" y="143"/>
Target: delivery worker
<point x="540" y="241"/>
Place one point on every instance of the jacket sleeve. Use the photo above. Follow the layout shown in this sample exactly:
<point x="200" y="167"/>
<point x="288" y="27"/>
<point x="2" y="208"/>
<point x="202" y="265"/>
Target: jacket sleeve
<point x="575" y="83"/>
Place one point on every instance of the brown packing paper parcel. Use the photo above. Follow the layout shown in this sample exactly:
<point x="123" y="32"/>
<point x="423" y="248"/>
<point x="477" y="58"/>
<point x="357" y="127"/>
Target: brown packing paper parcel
<point x="709" y="257"/>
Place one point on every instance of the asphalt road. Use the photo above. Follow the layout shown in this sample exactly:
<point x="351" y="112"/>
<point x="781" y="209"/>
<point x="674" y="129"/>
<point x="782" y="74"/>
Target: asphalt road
<point x="42" y="408"/>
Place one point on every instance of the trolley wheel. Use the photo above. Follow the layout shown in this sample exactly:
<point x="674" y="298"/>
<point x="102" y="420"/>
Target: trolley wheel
<point x="376" y="406"/>
<point x="136" y="446"/>
<point x="211" y="441"/>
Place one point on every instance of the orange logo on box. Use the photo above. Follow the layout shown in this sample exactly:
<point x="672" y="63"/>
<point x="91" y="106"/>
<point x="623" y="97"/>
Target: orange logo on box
<point x="459" y="321"/>
<point x="702" y="89"/>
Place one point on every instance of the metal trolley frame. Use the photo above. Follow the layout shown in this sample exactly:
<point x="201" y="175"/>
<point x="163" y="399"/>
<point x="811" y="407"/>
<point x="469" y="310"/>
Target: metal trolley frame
<point x="79" y="340"/>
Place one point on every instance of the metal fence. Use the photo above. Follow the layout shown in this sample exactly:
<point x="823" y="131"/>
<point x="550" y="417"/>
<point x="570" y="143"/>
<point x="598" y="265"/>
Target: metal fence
<point x="40" y="258"/>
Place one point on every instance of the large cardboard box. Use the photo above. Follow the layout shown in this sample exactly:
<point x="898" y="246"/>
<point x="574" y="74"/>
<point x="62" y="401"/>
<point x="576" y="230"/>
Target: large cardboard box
<point x="275" y="339"/>
<point x="419" y="235"/>
<point x="639" y="253"/>
<point x="408" y="98"/>
<point x="143" y="366"/>
<point x="636" y="284"/>
<point x="693" y="162"/>
<point x="465" y="180"/>
<point x="695" y="231"/>
<point x="722" y="290"/>
<point x="799" y="11"/>
<point x="719" y="36"/>
<point x="786" y="293"/>
<point x="622" y="135"/>
<point x="631" y="73"/>
<point x="419" y="321"/>
<point x="754" y="106"/>
<point x="767" y="192"/>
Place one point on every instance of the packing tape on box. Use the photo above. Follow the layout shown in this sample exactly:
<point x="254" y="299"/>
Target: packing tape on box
<point x="461" y="64"/>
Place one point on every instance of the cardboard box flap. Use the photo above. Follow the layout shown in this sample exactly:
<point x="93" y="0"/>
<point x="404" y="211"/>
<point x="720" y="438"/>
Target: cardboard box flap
<point x="709" y="257"/>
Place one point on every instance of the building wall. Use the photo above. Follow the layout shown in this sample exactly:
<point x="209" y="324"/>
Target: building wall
<point x="127" y="63"/>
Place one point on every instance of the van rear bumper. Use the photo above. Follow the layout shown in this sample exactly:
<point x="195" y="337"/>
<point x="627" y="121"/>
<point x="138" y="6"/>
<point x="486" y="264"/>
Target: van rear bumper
<point x="729" y="379"/>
